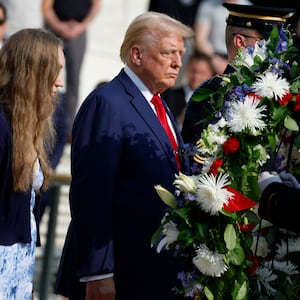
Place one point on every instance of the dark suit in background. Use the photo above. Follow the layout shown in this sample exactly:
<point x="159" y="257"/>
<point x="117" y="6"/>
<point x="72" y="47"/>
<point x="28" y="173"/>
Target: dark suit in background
<point x="175" y="99"/>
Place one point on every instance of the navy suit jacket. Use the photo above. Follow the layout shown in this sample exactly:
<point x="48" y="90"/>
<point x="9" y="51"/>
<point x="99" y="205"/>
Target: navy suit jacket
<point x="175" y="99"/>
<point x="14" y="206"/>
<point x="119" y="153"/>
<point x="199" y="114"/>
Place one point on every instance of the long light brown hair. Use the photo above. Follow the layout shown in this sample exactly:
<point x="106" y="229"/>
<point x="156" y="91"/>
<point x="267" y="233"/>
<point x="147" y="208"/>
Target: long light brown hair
<point x="29" y="66"/>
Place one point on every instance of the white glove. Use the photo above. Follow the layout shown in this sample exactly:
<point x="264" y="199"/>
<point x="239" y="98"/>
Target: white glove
<point x="266" y="177"/>
<point x="289" y="180"/>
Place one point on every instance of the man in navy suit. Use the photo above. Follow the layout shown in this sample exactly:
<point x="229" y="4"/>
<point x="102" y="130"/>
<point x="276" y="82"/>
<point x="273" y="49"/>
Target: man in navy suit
<point x="120" y="151"/>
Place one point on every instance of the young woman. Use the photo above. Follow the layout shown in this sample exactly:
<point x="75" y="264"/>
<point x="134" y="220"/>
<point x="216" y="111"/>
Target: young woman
<point x="31" y="63"/>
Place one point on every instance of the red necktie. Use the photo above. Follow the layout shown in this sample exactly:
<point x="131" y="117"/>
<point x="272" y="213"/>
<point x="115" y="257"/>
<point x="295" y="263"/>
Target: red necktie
<point x="162" y="116"/>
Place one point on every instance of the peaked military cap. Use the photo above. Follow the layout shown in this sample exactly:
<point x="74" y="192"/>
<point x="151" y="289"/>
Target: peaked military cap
<point x="261" y="18"/>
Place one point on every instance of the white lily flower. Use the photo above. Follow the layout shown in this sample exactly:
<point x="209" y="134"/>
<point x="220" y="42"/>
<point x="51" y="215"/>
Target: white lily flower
<point x="260" y="246"/>
<point x="166" y="196"/>
<point x="246" y="57"/>
<point x="170" y="232"/>
<point x="213" y="138"/>
<point x="185" y="183"/>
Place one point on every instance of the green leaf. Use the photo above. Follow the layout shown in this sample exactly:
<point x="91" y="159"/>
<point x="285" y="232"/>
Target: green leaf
<point x="201" y="229"/>
<point x="279" y="113"/>
<point x="156" y="235"/>
<point x="186" y="236"/>
<point x="202" y="94"/>
<point x="184" y="214"/>
<point x="230" y="237"/>
<point x="291" y="124"/>
<point x="209" y="295"/>
<point x="297" y="142"/>
<point x="236" y="256"/>
<point x="240" y="291"/>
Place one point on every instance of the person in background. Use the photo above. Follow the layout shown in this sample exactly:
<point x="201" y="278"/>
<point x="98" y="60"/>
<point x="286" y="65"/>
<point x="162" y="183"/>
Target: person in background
<point x="246" y="24"/>
<point x="210" y="22"/>
<point x="3" y="23"/>
<point x="182" y="10"/>
<point x="31" y="63"/>
<point x="185" y="12"/>
<point x="69" y="19"/>
<point x="21" y="15"/>
<point x="199" y="68"/>
<point x="124" y="142"/>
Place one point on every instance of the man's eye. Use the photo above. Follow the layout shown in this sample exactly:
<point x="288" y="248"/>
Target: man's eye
<point x="167" y="54"/>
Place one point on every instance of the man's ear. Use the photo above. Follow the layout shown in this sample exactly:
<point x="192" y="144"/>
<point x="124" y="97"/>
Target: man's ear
<point x="136" y="55"/>
<point x="239" y="41"/>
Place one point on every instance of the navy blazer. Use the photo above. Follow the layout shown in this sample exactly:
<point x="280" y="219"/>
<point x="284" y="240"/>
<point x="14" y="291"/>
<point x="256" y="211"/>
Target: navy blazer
<point x="14" y="206"/>
<point x="199" y="114"/>
<point x="175" y="99"/>
<point x="119" y="153"/>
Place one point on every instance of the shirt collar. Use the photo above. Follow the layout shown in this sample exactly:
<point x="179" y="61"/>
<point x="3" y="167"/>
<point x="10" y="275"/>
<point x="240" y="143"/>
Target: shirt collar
<point x="138" y="82"/>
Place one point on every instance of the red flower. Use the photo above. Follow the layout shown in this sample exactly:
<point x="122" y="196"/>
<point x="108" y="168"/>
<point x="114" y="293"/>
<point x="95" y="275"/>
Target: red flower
<point x="255" y="264"/>
<point x="254" y="96"/>
<point x="285" y="99"/>
<point x="214" y="168"/>
<point x="246" y="228"/>
<point x="231" y="145"/>
<point x="297" y="103"/>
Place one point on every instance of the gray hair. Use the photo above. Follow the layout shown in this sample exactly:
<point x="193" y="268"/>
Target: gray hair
<point x="149" y="27"/>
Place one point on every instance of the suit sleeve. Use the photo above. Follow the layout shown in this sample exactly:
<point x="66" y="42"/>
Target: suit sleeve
<point x="95" y="154"/>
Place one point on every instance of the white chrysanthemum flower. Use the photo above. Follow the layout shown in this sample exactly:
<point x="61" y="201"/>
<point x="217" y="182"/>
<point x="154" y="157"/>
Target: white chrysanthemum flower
<point x="282" y="248"/>
<point x="260" y="246"/>
<point x="212" y="193"/>
<point x="284" y="266"/>
<point x="186" y="184"/>
<point x="247" y="115"/>
<point x="170" y="232"/>
<point x="208" y="262"/>
<point x="265" y="276"/>
<point x="270" y="85"/>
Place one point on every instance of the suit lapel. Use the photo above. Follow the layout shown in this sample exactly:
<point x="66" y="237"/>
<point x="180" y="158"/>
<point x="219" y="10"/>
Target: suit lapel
<point x="143" y="108"/>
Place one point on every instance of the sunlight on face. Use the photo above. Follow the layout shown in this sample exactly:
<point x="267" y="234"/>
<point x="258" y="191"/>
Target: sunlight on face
<point x="59" y="82"/>
<point x="162" y="62"/>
